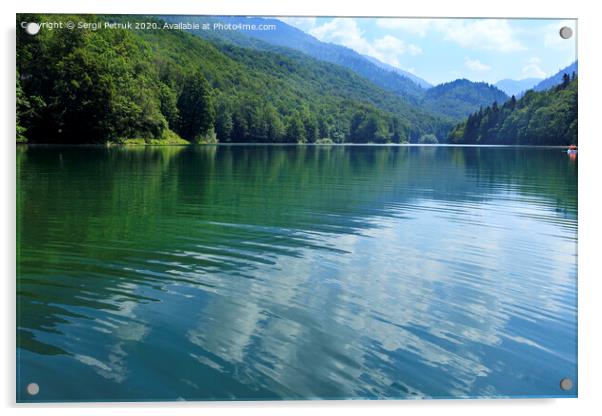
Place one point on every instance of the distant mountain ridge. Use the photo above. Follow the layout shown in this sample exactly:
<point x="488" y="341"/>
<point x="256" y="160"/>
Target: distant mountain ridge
<point x="454" y="99"/>
<point x="556" y="79"/>
<point x="459" y="98"/>
<point x="398" y="81"/>
<point x="517" y="87"/>
<point x="457" y="101"/>
<point x="424" y="84"/>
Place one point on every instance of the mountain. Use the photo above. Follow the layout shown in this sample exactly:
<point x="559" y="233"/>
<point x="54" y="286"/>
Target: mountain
<point x="401" y="72"/>
<point x="290" y="37"/>
<point x="459" y="98"/>
<point x="516" y="87"/>
<point x="159" y="85"/>
<point x="546" y="117"/>
<point x="556" y="79"/>
<point x="454" y="102"/>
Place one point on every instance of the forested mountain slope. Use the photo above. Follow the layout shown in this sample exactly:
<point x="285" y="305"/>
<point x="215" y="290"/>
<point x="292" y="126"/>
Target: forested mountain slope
<point x="453" y="100"/>
<point x="290" y="37"/>
<point x="538" y="118"/>
<point x="461" y="97"/>
<point x="94" y="86"/>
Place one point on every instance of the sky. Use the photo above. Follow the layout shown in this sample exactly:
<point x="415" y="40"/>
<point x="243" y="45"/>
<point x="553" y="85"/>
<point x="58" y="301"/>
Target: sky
<point x="441" y="50"/>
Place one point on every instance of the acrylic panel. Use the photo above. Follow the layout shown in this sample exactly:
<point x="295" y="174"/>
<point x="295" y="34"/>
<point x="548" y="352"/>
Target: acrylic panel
<point x="288" y="208"/>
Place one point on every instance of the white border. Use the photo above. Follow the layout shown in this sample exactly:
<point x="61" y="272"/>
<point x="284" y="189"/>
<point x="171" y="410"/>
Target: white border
<point x="590" y="143"/>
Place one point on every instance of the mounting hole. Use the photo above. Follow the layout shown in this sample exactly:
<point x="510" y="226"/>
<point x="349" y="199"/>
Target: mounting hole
<point x="566" y="32"/>
<point x="566" y="384"/>
<point x="33" y="389"/>
<point x="32" y="28"/>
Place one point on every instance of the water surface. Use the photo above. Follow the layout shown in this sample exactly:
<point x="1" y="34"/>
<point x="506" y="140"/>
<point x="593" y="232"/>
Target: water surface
<point x="290" y="272"/>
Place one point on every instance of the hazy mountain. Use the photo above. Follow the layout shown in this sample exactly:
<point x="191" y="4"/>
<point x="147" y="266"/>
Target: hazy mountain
<point x="453" y="100"/>
<point x="461" y="97"/>
<point x="424" y="84"/>
<point x="556" y="79"/>
<point x="517" y="87"/>
<point x="399" y="82"/>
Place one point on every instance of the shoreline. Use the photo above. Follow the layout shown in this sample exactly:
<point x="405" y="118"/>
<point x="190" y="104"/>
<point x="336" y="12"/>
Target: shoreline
<point x="258" y="144"/>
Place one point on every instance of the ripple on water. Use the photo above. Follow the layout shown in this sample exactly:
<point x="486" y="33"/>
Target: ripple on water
<point x="439" y="273"/>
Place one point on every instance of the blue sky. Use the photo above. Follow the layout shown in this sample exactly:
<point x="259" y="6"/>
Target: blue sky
<point x="440" y="50"/>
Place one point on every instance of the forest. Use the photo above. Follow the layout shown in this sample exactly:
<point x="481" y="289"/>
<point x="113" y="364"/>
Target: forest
<point x="456" y="99"/>
<point x="537" y="118"/>
<point x="174" y="87"/>
<point x="168" y="86"/>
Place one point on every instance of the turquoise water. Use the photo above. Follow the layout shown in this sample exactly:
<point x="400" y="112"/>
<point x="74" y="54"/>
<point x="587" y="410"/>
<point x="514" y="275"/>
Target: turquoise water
<point x="294" y="272"/>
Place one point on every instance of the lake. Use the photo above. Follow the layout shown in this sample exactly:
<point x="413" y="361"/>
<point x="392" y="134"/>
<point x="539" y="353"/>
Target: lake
<point x="293" y="272"/>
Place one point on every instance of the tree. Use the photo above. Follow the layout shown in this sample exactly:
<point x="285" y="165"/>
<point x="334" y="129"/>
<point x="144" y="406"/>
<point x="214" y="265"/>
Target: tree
<point x="566" y="79"/>
<point x="240" y="127"/>
<point x="512" y="102"/>
<point x="311" y="129"/>
<point x="223" y="123"/>
<point x="114" y="85"/>
<point x="22" y="107"/>
<point x="539" y="118"/>
<point x="428" y="139"/>
<point x="91" y="89"/>
<point x="355" y="127"/>
<point x="195" y="107"/>
<point x="275" y="129"/>
<point x="295" y="130"/>
<point x="169" y="105"/>
<point x="374" y="129"/>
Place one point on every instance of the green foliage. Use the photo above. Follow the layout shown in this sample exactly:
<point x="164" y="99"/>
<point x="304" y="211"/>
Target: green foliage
<point x="295" y="131"/>
<point x="324" y="141"/>
<point x="459" y="98"/>
<point x="88" y="86"/>
<point x="223" y="122"/>
<point x="195" y="108"/>
<point x="368" y="127"/>
<point x="428" y="139"/>
<point x="22" y="109"/>
<point x="113" y="85"/>
<point x="538" y="118"/>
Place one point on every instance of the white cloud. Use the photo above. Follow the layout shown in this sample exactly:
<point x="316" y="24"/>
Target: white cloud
<point x="303" y="23"/>
<point x="415" y="26"/>
<point x="346" y="32"/>
<point x="489" y="34"/>
<point x="389" y="43"/>
<point x="342" y="31"/>
<point x="476" y="65"/>
<point x="389" y="49"/>
<point x="533" y="70"/>
<point x="414" y="50"/>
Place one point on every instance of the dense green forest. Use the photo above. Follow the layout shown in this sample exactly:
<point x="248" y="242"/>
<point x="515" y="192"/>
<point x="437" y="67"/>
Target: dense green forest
<point x="454" y="100"/>
<point x="168" y="86"/>
<point x="538" y="118"/>
<point x="461" y="97"/>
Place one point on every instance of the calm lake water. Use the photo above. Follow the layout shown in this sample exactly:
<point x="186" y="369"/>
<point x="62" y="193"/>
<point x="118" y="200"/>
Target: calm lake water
<point x="269" y="272"/>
